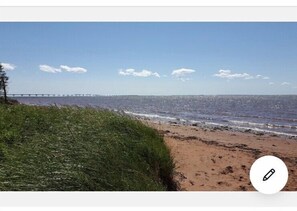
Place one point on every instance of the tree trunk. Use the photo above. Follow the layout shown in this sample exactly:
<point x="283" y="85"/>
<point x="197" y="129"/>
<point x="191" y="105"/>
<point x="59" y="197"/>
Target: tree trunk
<point x="4" y="91"/>
<point x="5" y="94"/>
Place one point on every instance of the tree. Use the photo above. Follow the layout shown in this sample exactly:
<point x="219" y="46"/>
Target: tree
<point x="3" y="83"/>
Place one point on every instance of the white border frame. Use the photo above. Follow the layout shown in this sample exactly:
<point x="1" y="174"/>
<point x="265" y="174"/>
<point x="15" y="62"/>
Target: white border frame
<point x="147" y="199"/>
<point x="140" y="14"/>
<point x="163" y="3"/>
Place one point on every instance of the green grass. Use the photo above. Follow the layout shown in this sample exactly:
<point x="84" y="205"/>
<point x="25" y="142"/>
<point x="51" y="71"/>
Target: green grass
<point x="80" y="149"/>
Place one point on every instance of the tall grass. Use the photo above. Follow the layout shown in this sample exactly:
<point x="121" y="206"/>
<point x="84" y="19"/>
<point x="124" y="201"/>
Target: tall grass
<point x="80" y="149"/>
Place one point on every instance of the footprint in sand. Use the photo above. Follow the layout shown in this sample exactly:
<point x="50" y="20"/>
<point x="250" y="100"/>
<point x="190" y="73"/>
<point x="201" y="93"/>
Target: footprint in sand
<point x="242" y="188"/>
<point x="223" y="183"/>
<point x="227" y="170"/>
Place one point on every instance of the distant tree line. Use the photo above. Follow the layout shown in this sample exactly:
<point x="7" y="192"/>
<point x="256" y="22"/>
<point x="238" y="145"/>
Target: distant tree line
<point x="3" y="83"/>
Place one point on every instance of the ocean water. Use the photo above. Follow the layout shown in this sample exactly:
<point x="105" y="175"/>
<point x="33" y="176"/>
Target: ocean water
<point x="273" y="114"/>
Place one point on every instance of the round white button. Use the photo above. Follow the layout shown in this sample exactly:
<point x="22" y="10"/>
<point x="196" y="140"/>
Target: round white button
<point x="269" y="174"/>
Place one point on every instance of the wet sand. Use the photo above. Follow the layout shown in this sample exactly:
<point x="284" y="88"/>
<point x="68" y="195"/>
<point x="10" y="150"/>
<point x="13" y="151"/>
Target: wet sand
<point x="219" y="160"/>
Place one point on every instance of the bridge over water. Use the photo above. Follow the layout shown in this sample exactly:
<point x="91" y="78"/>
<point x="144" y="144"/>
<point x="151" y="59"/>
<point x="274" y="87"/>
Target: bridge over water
<point x="51" y="95"/>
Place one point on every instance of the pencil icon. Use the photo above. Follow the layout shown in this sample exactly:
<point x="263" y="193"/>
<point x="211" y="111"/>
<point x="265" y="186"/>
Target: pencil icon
<point x="268" y="175"/>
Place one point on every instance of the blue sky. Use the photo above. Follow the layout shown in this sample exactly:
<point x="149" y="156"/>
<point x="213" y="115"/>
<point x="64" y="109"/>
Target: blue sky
<point x="150" y="58"/>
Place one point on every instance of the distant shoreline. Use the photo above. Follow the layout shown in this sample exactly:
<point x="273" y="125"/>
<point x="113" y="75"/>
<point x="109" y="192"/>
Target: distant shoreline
<point x="115" y="95"/>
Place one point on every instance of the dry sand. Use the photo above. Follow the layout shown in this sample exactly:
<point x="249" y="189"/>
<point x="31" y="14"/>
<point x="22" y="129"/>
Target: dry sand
<point x="220" y="160"/>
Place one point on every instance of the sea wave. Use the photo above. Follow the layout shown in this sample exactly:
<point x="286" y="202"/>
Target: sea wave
<point x="265" y="131"/>
<point x="155" y="116"/>
<point x="262" y="125"/>
<point x="267" y="117"/>
<point x="236" y="125"/>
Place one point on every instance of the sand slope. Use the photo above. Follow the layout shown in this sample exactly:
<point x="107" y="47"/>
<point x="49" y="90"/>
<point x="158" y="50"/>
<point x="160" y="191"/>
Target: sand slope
<point x="220" y="160"/>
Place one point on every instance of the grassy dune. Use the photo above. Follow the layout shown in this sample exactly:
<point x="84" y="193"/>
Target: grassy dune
<point x="71" y="149"/>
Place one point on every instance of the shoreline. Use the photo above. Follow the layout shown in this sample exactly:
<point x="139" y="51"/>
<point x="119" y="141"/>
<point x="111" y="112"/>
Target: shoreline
<point x="209" y="125"/>
<point x="220" y="160"/>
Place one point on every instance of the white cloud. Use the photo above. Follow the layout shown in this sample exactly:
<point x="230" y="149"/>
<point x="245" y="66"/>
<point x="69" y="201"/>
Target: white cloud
<point x="65" y="68"/>
<point x="289" y="85"/>
<point x="49" y="69"/>
<point x="181" y="73"/>
<point x="7" y="66"/>
<point x="143" y="73"/>
<point x="262" y="77"/>
<point x="73" y="69"/>
<point x="230" y="75"/>
<point x="271" y="83"/>
<point x="285" y="83"/>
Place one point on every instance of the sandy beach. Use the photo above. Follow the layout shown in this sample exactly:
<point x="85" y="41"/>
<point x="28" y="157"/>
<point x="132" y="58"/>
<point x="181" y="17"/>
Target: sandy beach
<point x="219" y="159"/>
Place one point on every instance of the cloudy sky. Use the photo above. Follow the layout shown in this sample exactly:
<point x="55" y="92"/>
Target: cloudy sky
<point x="150" y="58"/>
